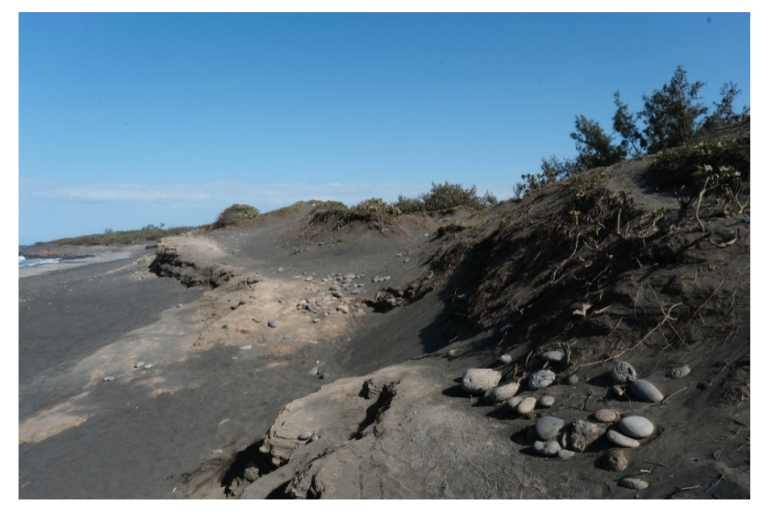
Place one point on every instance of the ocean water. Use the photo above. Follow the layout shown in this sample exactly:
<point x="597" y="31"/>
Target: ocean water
<point x="24" y="262"/>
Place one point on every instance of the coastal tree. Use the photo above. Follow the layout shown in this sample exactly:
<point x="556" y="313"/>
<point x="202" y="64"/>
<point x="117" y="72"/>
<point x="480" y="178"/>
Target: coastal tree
<point x="672" y="114"/>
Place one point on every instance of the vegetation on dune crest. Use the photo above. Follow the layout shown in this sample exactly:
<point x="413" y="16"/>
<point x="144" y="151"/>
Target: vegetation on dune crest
<point x="445" y="196"/>
<point x="671" y="117"/>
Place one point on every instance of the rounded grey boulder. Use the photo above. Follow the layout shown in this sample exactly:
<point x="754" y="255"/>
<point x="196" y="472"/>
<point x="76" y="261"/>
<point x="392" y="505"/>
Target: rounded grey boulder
<point x="548" y="427"/>
<point x="637" y="427"/>
<point x="479" y="380"/>
<point x="645" y="391"/>
<point x="553" y="356"/>
<point x="502" y="393"/>
<point x="549" y="448"/>
<point x="273" y="323"/>
<point x="304" y="436"/>
<point x="572" y="380"/>
<point x="633" y="483"/>
<point x="606" y="416"/>
<point x="526" y="405"/>
<point x="621" y="440"/>
<point x="505" y="359"/>
<point x="514" y="402"/>
<point x="565" y="454"/>
<point x="546" y="401"/>
<point x="623" y="373"/>
<point x="542" y="378"/>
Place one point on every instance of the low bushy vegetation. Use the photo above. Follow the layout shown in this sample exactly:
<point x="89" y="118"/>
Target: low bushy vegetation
<point x="122" y="237"/>
<point x="671" y="117"/>
<point x="235" y="215"/>
<point x="676" y="167"/>
<point x="445" y="196"/>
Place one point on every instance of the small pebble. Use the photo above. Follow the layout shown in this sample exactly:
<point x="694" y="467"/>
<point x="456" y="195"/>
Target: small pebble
<point x="505" y="359"/>
<point x="546" y="401"/>
<point x="138" y="364"/>
<point x="273" y="323"/>
<point x="623" y="373"/>
<point x="548" y="427"/>
<point x="606" y="416"/>
<point x="572" y="380"/>
<point x="514" y="402"/>
<point x="304" y="436"/>
<point x="549" y="448"/>
<point x="553" y="356"/>
<point x="636" y="427"/>
<point x="633" y="483"/>
<point x="526" y="406"/>
<point x="645" y="391"/>
<point x="314" y="438"/>
<point x="682" y="371"/>
<point x="246" y="347"/>
<point x="147" y="366"/>
<point x="108" y="379"/>
<point x="621" y="440"/>
<point x="615" y="459"/>
<point x="480" y="380"/>
<point x="316" y="320"/>
<point x="502" y="393"/>
<point x="565" y="454"/>
<point x="540" y="379"/>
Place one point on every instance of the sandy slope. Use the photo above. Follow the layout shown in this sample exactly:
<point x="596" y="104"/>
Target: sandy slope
<point x="228" y="399"/>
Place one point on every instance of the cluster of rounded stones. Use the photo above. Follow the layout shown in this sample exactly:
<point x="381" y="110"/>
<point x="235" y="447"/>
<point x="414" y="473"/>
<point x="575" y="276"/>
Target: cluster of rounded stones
<point x="624" y="433"/>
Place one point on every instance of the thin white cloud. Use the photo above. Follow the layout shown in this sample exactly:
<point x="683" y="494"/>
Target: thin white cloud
<point x="223" y="193"/>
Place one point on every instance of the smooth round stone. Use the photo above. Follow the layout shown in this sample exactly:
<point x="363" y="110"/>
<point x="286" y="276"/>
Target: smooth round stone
<point x="553" y="356"/>
<point x="549" y="448"/>
<point x="505" y="359"/>
<point x="479" y="380"/>
<point x="606" y="416"/>
<point x="108" y="379"/>
<point x="621" y="440"/>
<point x="633" y="483"/>
<point x="548" y="427"/>
<point x="645" y="391"/>
<point x="527" y="405"/>
<point x="304" y="436"/>
<point x="541" y="379"/>
<point x="273" y="323"/>
<point x="623" y="373"/>
<point x="637" y="427"/>
<point x="572" y="380"/>
<point x="503" y="393"/>
<point x="546" y="401"/>
<point x="682" y="371"/>
<point x="514" y="402"/>
<point x="565" y="454"/>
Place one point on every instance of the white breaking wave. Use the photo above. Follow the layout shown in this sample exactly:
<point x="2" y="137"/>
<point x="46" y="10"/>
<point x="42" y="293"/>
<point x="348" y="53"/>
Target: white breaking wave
<point x="24" y="262"/>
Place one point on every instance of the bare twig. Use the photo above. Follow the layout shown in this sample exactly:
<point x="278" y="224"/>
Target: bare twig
<point x="698" y="204"/>
<point x="705" y="302"/>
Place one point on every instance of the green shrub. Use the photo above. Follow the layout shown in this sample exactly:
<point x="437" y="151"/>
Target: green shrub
<point x="375" y="207"/>
<point x="445" y="196"/>
<point x="235" y="215"/>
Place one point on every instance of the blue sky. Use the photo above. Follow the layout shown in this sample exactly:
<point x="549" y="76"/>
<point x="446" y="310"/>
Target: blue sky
<point x="128" y="119"/>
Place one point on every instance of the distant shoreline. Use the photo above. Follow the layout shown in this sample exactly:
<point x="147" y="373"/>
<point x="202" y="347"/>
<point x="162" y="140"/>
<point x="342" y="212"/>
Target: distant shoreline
<point x="72" y="256"/>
